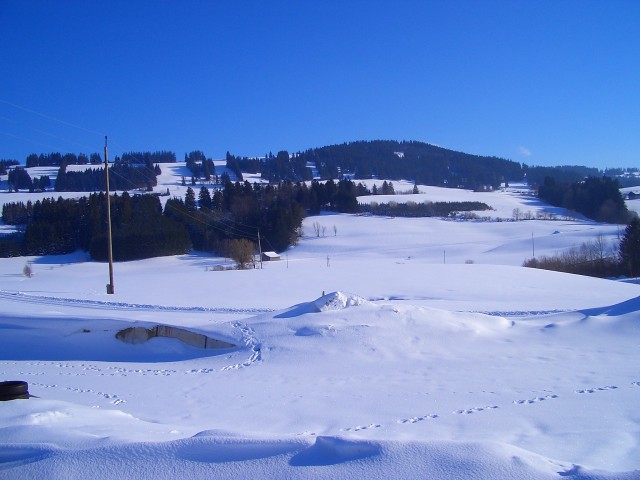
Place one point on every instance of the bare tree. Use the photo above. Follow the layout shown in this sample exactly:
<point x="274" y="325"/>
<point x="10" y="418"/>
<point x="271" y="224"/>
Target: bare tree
<point x="516" y="214"/>
<point x="27" y="271"/>
<point x="316" y="228"/>
<point x="241" y="251"/>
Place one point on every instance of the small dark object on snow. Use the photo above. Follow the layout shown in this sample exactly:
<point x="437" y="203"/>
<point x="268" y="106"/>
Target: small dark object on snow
<point x="14" y="390"/>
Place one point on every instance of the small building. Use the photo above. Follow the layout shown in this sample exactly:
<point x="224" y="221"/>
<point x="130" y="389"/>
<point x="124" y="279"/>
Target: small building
<point x="483" y="188"/>
<point x="270" y="256"/>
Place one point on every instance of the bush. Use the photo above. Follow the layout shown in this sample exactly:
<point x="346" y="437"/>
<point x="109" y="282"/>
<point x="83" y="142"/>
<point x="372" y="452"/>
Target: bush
<point x="27" y="271"/>
<point x="594" y="259"/>
<point x="241" y="251"/>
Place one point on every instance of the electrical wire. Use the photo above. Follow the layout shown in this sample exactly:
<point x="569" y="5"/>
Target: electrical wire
<point x="235" y="227"/>
<point x="48" y="117"/>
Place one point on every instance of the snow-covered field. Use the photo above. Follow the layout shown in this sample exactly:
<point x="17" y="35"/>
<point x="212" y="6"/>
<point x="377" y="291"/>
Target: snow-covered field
<point x="388" y="348"/>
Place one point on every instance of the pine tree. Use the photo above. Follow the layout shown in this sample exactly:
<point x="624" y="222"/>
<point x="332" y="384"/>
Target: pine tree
<point x="204" y="198"/>
<point x="190" y="200"/>
<point x="630" y="248"/>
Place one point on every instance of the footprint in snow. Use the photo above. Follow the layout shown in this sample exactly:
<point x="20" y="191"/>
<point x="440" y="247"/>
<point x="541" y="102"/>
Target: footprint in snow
<point x="596" y="389"/>
<point x="417" y="419"/>
<point x="474" y="410"/>
<point x="115" y="400"/>
<point x="360" y="427"/>
<point x="201" y="370"/>
<point x="535" y="400"/>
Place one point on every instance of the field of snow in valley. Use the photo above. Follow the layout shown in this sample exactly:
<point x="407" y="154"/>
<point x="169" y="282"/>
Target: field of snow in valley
<point x="385" y="348"/>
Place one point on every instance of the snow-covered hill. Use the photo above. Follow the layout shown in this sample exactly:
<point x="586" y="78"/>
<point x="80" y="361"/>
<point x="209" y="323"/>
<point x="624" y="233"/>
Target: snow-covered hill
<point x="388" y="348"/>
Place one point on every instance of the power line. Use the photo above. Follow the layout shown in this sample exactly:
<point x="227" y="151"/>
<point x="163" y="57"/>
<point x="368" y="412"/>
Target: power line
<point x="25" y="139"/>
<point x="234" y="227"/>
<point x="49" y="117"/>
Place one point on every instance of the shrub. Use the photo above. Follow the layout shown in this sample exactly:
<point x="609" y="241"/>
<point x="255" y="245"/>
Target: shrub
<point x="241" y="251"/>
<point x="27" y="271"/>
<point x="594" y="259"/>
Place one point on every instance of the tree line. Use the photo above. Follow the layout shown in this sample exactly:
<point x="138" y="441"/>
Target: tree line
<point x="56" y="159"/>
<point x="147" y="158"/>
<point x="200" y="166"/>
<point x="19" y="179"/>
<point x="597" y="258"/>
<point x="598" y="198"/>
<point x="206" y="221"/>
<point x="6" y="164"/>
<point x="49" y="227"/>
<point x="122" y="176"/>
<point x="565" y="174"/>
<point x="421" y="162"/>
<point x="142" y="228"/>
<point x="385" y="159"/>
<point x="426" y="209"/>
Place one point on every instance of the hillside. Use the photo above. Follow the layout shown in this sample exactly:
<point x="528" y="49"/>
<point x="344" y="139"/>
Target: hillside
<point x="386" y="159"/>
<point x="383" y="347"/>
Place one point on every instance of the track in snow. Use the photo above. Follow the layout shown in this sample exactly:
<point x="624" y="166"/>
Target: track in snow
<point x="75" y="302"/>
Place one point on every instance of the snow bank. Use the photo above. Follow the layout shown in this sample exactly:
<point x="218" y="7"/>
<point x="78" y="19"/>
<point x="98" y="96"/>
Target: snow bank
<point x="215" y="456"/>
<point x="338" y="301"/>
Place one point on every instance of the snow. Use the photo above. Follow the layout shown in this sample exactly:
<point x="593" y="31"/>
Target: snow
<point x="394" y="348"/>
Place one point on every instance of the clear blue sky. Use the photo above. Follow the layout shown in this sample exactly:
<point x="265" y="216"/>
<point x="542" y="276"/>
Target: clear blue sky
<point x="540" y="82"/>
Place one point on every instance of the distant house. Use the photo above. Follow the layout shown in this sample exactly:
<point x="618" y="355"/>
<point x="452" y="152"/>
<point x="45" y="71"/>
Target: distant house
<point x="270" y="256"/>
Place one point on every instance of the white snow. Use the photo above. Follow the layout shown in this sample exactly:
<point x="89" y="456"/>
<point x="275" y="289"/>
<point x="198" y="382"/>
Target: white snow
<point x="394" y="348"/>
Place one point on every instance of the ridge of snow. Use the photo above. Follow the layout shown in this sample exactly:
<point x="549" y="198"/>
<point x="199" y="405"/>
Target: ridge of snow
<point x="338" y="301"/>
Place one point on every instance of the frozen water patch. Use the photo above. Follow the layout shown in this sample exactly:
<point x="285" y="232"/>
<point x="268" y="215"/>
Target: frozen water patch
<point x="86" y="339"/>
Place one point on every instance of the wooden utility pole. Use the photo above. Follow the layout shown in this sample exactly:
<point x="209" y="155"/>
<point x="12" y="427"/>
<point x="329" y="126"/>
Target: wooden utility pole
<point x="260" y="249"/>
<point x="533" y="246"/>
<point x="110" y="287"/>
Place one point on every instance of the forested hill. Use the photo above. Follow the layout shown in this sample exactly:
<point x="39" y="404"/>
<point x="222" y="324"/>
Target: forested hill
<point x="424" y="163"/>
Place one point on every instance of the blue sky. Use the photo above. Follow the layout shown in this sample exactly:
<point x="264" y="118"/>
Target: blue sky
<point x="543" y="83"/>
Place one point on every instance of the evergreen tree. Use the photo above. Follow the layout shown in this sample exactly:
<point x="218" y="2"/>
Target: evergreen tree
<point x="190" y="200"/>
<point x="630" y="248"/>
<point x="204" y="198"/>
<point x="19" y="179"/>
<point x="4" y="164"/>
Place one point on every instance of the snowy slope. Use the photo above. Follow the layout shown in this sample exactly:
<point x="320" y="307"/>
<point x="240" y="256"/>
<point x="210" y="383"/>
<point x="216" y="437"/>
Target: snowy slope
<point x="377" y="352"/>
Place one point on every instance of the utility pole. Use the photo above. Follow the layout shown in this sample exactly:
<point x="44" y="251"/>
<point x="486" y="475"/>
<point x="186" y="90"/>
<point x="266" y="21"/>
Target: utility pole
<point x="533" y="246"/>
<point x="260" y="249"/>
<point x="110" y="288"/>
